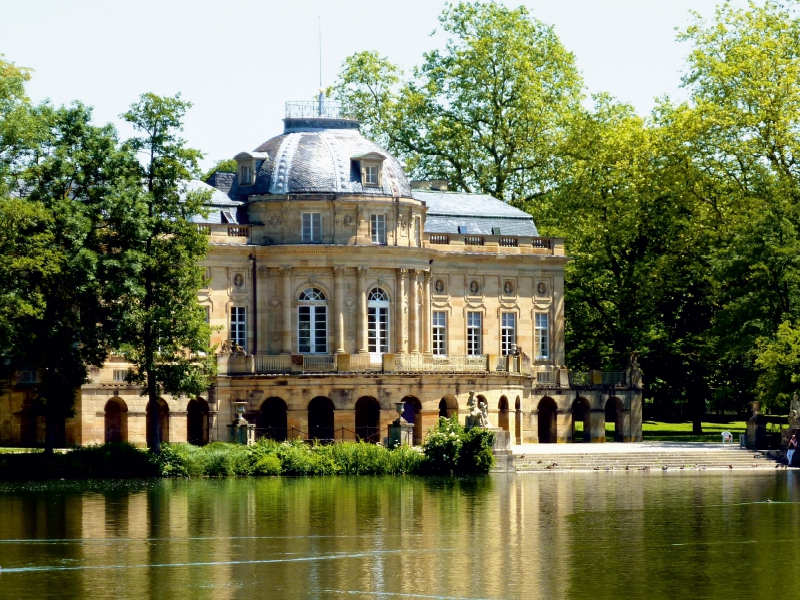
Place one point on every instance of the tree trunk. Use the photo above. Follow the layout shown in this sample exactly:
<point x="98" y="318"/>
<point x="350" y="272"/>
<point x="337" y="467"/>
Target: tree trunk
<point x="154" y="425"/>
<point x="698" y="409"/>
<point x="49" y="430"/>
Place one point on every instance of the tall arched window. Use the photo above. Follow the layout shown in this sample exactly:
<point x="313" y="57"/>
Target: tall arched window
<point x="378" y="321"/>
<point x="312" y="322"/>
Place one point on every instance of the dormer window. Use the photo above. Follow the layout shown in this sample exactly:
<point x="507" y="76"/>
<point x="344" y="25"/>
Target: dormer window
<point x="249" y="163"/>
<point x="370" y="165"/>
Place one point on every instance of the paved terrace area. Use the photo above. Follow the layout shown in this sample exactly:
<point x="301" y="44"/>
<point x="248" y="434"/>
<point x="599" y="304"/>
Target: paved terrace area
<point x="620" y="448"/>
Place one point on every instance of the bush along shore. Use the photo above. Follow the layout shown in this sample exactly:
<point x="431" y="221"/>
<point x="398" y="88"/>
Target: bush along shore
<point x="447" y="450"/>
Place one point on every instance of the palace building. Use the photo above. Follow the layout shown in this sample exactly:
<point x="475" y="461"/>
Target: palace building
<point x="342" y="294"/>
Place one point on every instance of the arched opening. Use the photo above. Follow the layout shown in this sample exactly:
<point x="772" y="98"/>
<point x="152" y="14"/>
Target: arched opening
<point x="273" y="419"/>
<point x="163" y="414"/>
<point x="448" y="406"/>
<point x="581" y="430"/>
<point x="412" y="408"/>
<point x="548" y="428"/>
<point x="518" y="420"/>
<point x="368" y="420"/>
<point x="116" y="421"/>
<point x="502" y="413"/>
<point x="197" y="422"/>
<point x="320" y="419"/>
<point x="312" y="322"/>
<point x="613" y="418"/>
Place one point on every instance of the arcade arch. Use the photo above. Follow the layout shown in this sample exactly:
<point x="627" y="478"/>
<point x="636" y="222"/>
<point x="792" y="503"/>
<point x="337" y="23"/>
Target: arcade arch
<point x="412" y="409"/>
<point x="613" y="412"/>
<point x="548" y="426"/>
<point x="163" y="410"/>
<point x="368" y="419"/>
<point x="116" y="420"/>
<point x="581" y="412"/>
<point x="197" y="422"/>
<point x="448" y="406"/>
<point x="320" y="419"/>
<point x="273" y="419"/>
<point x="502" y="414"/>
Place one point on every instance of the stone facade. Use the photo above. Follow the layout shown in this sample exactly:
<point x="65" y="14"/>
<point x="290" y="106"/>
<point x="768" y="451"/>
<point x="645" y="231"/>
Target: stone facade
<point x="338" y="290"/>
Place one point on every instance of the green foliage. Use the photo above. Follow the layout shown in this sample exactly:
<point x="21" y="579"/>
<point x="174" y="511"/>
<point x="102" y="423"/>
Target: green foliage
<point x="485" y="112"/>
<point x="106" y="461"/>
<point x="450" y="450"/>
<point x="161" y="327"/>
<point x="226" y="165"/>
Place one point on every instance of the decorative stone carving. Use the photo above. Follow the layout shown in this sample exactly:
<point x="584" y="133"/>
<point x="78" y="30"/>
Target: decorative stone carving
<point x="541" y="289"/>
<point x="439" y="286"/>
<point x="508" y="288"/>
<point x="474" y="287"/>
<point x="238" y="280"/>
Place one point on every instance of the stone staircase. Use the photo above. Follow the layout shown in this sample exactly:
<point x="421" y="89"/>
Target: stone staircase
<point x="672" y="459"/>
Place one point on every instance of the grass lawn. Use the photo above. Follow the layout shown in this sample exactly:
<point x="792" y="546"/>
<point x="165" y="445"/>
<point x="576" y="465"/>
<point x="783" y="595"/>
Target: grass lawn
<point x="682" y="432"/>
<point x="654" y="431"/>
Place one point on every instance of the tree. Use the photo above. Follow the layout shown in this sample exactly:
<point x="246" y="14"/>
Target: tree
<point x="226" y="165"/>
<point x="744" y="79"/>
<point x="486" y="113"/>
<point x="366" y="87"/>
<point x="162" y="329"/>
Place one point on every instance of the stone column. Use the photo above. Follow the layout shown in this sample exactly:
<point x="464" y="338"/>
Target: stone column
<point x="399" y="301"/>
<point x="597" y="425"/>
<point x="286" y="325"/>
<point x="338" y="309"/>
<point x="413" y="313"/>
<point x="426" y="312"/>
<point x="361" y="336"/>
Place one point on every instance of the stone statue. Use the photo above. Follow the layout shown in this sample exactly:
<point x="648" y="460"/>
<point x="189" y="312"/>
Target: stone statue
<point x="238" y="350"/>
<point x="794" y="412"/>
<point x="484" y="415"/>
<point x="475" y="416"/>
<point x="225" y="347"/>
<point x="633" y="374"/>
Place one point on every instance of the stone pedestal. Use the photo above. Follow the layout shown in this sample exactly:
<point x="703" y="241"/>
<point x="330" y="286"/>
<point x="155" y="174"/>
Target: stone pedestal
<point x="502" y="439"/>
<point x="401" y="434"/>
<point x="756" y="433"/>
<point x="242" y="433"/>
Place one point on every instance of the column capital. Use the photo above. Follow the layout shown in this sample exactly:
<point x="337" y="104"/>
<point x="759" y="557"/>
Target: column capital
<point x="339" y="270"/>
<point x="427" y="276"/>
<point x="402" y="272"/>
<point x="362" y="271"/>
<point x="285" y="270"/>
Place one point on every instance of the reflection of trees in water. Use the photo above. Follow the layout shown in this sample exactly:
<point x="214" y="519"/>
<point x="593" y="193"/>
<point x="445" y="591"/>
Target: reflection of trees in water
<point x="412" y="535"/>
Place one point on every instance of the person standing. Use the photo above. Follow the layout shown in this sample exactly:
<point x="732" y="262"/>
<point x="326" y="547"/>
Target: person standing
<point x="790" y="450"/>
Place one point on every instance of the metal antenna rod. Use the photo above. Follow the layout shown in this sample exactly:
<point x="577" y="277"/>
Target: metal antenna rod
<point x="319" y="26"/>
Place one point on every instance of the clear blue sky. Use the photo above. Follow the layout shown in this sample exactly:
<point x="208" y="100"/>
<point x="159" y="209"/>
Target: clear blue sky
<point x="238" y="62"/>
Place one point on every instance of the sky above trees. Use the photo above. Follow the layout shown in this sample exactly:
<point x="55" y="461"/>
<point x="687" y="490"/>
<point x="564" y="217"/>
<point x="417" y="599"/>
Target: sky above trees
<point x="238" y="63"/>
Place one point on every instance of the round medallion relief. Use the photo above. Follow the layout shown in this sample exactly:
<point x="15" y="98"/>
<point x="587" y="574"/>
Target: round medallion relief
<point x="508" y="288"/>
<point x="474" y="287"/>
<point x="439" y="286"/>
<point x="348" y="220"/>
<point x="541" y="288"/>
<point x="238" y="280"/>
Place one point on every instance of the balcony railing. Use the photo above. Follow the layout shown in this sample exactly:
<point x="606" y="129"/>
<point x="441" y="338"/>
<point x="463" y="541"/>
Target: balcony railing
<point x="509" y="242"/>
<point x="580" y="378"/>
<point x="426" y="363"/>
<point x="319" y="363"/>
<point x="362" y="363"/>
<point x="439" y="238"/>
<point x="279" y="363"/>
<point x="473" y="240"/>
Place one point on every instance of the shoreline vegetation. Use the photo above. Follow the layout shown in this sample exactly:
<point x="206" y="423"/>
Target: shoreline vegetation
<point x="447" y="450"/>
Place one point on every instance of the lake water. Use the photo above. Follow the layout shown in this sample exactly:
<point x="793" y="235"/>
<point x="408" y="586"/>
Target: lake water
<point x="554" y="535"/>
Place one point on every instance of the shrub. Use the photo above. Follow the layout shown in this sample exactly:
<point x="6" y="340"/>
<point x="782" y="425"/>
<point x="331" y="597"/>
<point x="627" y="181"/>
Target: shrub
<point x="451" y="450"/>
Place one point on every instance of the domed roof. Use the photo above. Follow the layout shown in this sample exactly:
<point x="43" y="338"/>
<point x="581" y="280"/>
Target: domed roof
<point x="321" y="155"/>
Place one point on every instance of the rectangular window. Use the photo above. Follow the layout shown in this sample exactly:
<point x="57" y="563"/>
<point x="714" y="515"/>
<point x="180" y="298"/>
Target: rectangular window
<point x="378" y="229"/>
<point x="378" y="329"/>
<point x="312" y="329"/>
<point x="239" y="326"/>
<point x="439" y="332"/>
<point x="371" y="175"/>
<point x="312" y="227"/>
<point x="541" y="334"/>
<point x="508" y="333"/>
<point x="119" y="375"/>
<point x="474" y="334"/>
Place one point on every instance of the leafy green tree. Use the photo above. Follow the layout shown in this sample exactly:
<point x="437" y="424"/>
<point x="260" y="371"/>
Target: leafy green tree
<point x="367" y="88"/>
<point x="162" y="329"/>
<point x="226" y="165"/>
<point x="487" y="112"/>
<point x="744" y="78"/>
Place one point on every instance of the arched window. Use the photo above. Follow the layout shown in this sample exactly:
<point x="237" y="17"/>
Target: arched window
<point x="378" y="321"/>
<point x="312" y="322"/>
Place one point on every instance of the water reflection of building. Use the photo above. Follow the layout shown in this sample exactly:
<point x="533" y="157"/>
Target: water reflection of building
<point x="340" y="289"/>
